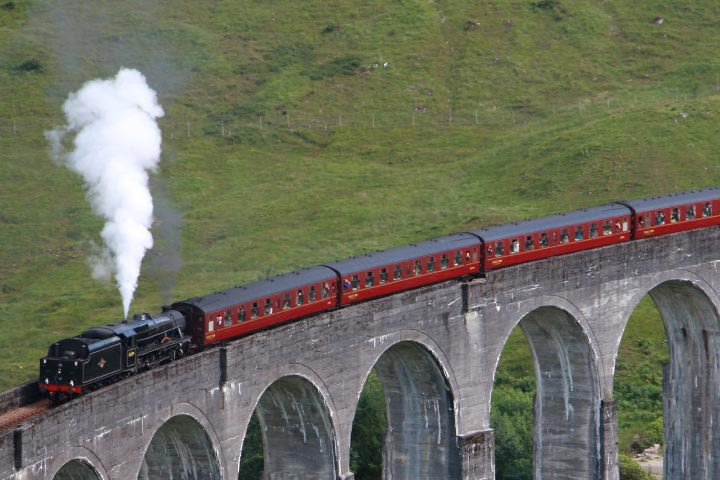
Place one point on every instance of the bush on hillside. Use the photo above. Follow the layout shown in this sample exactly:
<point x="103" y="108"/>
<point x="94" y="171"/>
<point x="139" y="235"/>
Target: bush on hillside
<point x="631" y="470"/>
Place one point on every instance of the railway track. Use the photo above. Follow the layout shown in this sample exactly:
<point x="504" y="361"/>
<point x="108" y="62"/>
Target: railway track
<point x="14" y="417"/>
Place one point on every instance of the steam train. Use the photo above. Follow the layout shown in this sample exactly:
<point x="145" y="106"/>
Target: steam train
<point x="111" y="352"/>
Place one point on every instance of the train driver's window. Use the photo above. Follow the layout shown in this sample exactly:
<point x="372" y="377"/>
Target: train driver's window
<point x="431" y="264"/>
<point x="355" y="282"/>
<point x="593" y="230"/>
<point x="543" y="240"/>
<point x="383" y="275"/>
<point x="397" y="273"/>
<point x="529" y="243"/>
<point x="254" y="311"/>
<point x="674" y="215"/>
<point x="300" y="298"/>
<point x="444" y="261"/>
<point x="659" y="217"/>
<point x="312" y="296"/>
<point x="579" y="232"/>
<point x="458" y="258"/>
<point x="564" y="236"/>
<point x="499" y="249"/>
<point x="241" y="313"/>
<point x="707" y="210"/>
<point x="607" y="227"/>
<point x="369" y="280"/>
<point x="268" y="306"/>
<point x="228" y="318"/>
<point x="286" y="301"/>
<point x="417" y="270"/>
<point x="514" y="245"/>
<point x="690" y="212"/>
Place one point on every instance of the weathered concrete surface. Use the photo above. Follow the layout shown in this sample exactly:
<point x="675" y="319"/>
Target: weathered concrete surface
<point x="436" y="350"/>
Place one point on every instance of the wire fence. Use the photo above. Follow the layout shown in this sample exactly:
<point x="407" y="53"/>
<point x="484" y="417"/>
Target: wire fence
<point x="482" y="115"/>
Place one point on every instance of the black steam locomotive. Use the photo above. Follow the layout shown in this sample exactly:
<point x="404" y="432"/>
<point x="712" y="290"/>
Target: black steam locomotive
<point x="103" y="355"/>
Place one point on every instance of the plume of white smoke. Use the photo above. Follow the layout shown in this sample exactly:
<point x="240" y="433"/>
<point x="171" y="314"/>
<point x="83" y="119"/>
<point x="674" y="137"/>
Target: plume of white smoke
<point x="116" y="142"/>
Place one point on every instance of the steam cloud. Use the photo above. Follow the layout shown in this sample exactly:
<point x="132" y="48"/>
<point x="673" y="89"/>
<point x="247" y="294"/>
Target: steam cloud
<point x="116" y="143"/>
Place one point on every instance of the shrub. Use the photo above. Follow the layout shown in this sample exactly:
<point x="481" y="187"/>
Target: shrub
<point x="31" y="65"/>
<point x="631" y="470"/>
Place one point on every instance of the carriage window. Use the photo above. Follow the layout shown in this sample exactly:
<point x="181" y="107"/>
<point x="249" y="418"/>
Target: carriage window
<point x="641" y="221"/>
<point x="311" y="296"/>
<point x="707" y="210"/>
<point x="607" y="227"/>
<point x="211" y="325"/>
<point x="543" y="240"/>
<point x="659" y="217"/>
<point x="675" y="215"/>
<point x="355" y="282"/>
<point x="499" y="249"/>
<point x="255" y="311"/>
<point x="286" y="301"/>
<point x="579" y="232"/>
<point x="514" y="245"/>
<point x="228" y="318"/>
<point x="529" y="243"/>
<point x="300" y="298"/>
<point x="369" y="281"/>
<point x="564" y="236"/>
<point x="268" y="307"/>
<point x="241" y="314"/>
<point x="383" y="275"/>
<point x="325" y="291"/>
<point x="431" y="264"/>
<point x="458" y="258"/>
<point x="444" y="261"/>
<point x="647" y="219"/>
<point x="593" y="230"/>
<point x="418" y="267"/>
<point x="554" y="238"/>
<point x="690" y="212"/>
<point x="397" y="273"/>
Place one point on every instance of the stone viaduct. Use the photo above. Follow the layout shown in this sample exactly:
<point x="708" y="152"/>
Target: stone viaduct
<point x="435" y="350"/>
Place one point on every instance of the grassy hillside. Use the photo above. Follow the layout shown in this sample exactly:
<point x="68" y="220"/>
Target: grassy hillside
<point x="288" y="141"/>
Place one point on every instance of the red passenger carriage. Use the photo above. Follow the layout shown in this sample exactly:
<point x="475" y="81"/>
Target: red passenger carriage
<point x="237" y="311"/>
<point x="554" y="235"/>
<point x="675" y="213"/>
<point x="402" y="268"/>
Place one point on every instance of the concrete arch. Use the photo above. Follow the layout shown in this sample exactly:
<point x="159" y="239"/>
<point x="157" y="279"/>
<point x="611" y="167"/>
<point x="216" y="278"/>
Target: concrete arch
<point x="567" y="404"/>
<point x="83" y="465"/>
<point x="384" y="343"/>
<point x="297" y="428"/>
<point x="182" y="448"/>
<point x="421" y="438"/>
<point x="688" y="306"/>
